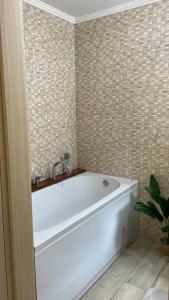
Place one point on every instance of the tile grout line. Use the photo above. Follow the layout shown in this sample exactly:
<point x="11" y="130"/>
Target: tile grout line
<point x="121" y="289"/>
<point x="153" y="285"/>
<point x="128" y="277"/>
<point x="141" y="257"/>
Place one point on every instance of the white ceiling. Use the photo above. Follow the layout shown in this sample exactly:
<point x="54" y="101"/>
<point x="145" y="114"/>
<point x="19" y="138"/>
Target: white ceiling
<point x="78" y="8"/>
<point x="76" y="11"/>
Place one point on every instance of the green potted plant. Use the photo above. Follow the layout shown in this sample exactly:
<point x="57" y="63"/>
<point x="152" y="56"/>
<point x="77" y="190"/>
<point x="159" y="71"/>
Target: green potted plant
<point x="158" y="209"/>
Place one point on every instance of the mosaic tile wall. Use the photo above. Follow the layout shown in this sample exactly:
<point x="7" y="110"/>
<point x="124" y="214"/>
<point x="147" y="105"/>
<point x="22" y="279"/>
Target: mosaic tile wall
<point x="122" y="78"/>
<point x="122" y="69"/>
<point x="51" y="88"/>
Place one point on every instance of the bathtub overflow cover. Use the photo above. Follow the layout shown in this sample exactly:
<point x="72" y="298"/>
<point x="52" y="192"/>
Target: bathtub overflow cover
<point x="105" y="182"/>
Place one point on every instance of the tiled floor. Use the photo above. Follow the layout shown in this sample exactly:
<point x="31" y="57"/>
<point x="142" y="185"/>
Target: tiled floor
<point x="140" y="267"/>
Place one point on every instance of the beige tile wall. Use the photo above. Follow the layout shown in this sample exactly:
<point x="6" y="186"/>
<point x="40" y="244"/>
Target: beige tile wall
<point x="51" y="93"/>
<point x="122" y="77"/>
<point x="122" y="69"/>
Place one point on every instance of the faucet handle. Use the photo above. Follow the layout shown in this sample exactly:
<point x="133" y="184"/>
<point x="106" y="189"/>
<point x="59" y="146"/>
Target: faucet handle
<point x="38" y="179"/>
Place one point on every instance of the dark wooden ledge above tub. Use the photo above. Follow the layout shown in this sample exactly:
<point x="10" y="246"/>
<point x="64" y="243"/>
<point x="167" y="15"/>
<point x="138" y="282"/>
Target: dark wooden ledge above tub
<point x="59" y="178"/>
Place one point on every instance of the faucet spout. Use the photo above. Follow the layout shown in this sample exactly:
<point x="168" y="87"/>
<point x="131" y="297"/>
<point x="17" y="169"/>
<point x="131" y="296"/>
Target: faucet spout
<point x="61" y="162"/>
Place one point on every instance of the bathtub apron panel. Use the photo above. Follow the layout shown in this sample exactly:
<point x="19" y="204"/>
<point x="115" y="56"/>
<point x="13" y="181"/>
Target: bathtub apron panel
<point x="67" y="266"/>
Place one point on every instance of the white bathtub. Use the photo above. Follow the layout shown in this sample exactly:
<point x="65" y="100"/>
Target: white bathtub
<point x="80" y="227"/>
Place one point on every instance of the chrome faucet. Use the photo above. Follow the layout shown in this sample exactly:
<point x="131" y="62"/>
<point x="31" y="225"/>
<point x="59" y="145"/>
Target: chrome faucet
<point x="61" y="162"/>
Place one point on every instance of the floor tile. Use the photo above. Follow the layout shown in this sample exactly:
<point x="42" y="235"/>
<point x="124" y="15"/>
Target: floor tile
<point x="162" y="284"/>
<point x="113" y="278"/>
<point x="148" y="269"/>
<point x="129" y="292"/>
<point x="123" y="266"/>
<point x="165" y="272"/>
<point x="139" y="247"/>
<point x="100" y="293"/>
<point x="154" y="294"/>
<point x="163" y="280"/>
<point x="140" y="267"/>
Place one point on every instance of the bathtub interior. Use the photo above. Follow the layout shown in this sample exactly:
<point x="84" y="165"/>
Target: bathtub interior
<point x="60" y="202"/>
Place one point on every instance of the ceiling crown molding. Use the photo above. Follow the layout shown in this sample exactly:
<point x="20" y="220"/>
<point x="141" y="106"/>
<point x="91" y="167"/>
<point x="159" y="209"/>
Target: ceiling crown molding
<point x="91" y="16"/>
<point x="114" y="10"/>
<point x="52" y="10"/>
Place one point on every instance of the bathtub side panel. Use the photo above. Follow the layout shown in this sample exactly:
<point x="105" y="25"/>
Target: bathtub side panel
<point x="68" y="265"/>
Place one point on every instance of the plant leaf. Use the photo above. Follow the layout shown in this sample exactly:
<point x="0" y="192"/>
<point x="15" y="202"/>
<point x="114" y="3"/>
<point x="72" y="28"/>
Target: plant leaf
<point x="167" y="240"/>
<point x="148" y="210"/>
<point x="154" y="185"/>
<point x="165" y="228"/>
<point x="153" y="194"/>
<point x="154" y="191"/>
<point x="164" y="205"/>
<point x="156" y="212"/>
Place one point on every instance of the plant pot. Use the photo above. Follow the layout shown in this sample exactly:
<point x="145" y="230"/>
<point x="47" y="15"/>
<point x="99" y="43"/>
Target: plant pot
<point x="164" y="248"/>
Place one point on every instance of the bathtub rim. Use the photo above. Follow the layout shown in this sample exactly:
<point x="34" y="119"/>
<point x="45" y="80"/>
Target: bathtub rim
<point x="42" y="239"/>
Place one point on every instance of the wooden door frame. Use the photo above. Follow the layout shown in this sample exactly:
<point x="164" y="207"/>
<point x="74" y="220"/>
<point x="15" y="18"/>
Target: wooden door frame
<point x="4" y="214"/>
<point x="15" y="200"/>
<point x="3" y="281"/>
